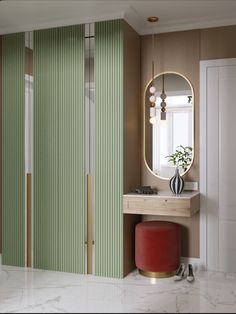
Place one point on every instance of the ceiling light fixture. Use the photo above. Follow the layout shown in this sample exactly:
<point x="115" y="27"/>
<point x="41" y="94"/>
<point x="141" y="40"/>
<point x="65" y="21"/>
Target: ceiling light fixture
<point x="152" y="90"/>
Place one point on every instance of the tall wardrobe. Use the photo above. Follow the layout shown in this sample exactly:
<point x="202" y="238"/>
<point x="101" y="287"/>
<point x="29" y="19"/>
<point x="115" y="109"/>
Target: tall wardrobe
<point x="64" y="211"/>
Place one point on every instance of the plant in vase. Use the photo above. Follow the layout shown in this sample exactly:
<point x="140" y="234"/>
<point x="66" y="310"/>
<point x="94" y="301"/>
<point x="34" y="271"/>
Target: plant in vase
<point x="181" y="159"/>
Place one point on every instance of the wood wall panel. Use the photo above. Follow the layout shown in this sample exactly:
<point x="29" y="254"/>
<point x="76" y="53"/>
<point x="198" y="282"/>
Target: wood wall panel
<point x="132" y="136"/>
<point x="29" y="61"/>
<point x="190" y="245"/>
<point x="178" y="52"/>
<point x="218" y="43"/>
<point x="182" y="52"/>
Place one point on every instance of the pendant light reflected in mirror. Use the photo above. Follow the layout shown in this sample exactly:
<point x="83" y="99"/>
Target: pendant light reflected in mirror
<point x="163" y="97"/>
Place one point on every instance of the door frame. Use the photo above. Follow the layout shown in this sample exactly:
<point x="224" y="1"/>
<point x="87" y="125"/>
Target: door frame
<point x="205" y="235"/>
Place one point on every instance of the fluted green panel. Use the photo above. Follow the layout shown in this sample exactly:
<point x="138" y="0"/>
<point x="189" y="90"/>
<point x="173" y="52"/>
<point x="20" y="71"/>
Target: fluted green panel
<point x="13" y="176"/>
<point x="109" y="149"/>
<point x="59" y="175"/>
<point x="46" y="139"/>
<point x="72" y="177"/>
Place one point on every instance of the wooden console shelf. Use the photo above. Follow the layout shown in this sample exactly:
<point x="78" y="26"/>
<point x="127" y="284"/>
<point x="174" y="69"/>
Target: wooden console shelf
<point x="163" y="204"/>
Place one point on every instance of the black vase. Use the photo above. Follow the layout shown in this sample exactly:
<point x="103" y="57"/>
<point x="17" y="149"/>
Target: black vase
<point x="176" y="183"/>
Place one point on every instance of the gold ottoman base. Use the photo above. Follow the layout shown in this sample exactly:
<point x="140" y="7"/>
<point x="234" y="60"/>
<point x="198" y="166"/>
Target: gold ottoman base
<point x="157" y="274"/>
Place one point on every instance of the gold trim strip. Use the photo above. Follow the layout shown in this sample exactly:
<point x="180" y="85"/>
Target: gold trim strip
<point x="29" y="215"/>
<point x="157" y="274"/>
<point x="89" y="226"/>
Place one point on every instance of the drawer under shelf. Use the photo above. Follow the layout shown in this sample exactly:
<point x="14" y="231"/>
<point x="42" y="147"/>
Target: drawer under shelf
<point x="163" y="204"/>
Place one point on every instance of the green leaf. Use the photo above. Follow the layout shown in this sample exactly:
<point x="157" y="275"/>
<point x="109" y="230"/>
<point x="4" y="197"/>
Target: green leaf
<point x="182" y="157"/>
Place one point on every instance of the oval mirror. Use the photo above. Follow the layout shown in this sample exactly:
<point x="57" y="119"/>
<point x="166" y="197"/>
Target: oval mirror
<point x="169" y="125"/>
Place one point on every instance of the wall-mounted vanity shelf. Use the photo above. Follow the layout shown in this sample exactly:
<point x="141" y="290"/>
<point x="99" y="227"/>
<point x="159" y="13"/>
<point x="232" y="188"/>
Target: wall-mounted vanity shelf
<point x="164" y="204"/>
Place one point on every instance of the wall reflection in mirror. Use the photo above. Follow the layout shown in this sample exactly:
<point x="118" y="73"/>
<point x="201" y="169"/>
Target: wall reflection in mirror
<point x="169" y="125"/>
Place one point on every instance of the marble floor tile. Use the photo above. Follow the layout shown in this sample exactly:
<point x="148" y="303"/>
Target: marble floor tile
<point x="36" y="291"/>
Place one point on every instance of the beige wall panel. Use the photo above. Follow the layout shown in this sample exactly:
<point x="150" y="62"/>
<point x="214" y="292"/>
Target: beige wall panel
<point x="28" y="61"/>
<point x="132" y="135"/>
<point x="130" y="222"/>
<point x="178" y="52"/>
<point x="218" y="43"/>
<point x="132" y="111"/>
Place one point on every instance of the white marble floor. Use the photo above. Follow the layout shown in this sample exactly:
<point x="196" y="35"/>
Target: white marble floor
<point x="34" y="291"/>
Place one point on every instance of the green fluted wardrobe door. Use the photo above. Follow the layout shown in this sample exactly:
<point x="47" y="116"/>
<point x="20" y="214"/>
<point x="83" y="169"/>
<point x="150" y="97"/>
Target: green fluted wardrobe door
<point x="46" y="138"/>
<point x="13" y="175"/>
<point x="109" y="149"/>
<point x="59" y="175"/>
<point x="72" y="177"/>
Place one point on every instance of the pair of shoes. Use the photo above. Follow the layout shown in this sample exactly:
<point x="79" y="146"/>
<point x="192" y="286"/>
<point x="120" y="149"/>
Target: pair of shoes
<point x="180" y="273"/>
<point x="190" y="275"/>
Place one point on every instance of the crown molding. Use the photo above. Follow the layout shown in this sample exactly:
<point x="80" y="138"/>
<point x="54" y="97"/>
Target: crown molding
<point x="131" y="16"/>
<point x="187" y="26"/>
<point x="61" y="23"/>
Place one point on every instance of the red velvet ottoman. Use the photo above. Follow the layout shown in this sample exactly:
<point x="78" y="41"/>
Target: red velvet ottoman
<point x="157" y="248"/>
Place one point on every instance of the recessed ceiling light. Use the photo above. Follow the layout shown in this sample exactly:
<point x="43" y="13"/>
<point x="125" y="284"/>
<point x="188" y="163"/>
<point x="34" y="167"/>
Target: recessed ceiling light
<point x="153" y="19"/>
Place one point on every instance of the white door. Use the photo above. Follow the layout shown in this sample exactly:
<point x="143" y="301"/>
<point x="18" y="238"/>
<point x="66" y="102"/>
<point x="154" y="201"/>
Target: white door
<point x="218" y="163"/>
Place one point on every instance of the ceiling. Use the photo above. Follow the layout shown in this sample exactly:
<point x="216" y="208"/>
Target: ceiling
<point x="174" y="15"/>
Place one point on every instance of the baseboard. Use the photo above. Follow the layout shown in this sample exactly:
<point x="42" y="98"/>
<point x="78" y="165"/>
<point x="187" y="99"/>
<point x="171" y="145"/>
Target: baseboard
<point x="196" y="262"/>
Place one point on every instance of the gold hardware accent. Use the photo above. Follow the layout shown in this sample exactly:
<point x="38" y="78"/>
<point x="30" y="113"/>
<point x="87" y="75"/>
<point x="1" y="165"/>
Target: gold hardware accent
<point x="157" y="274"/>
<point x="90" y="241"/>
<point x="86" y="242"/>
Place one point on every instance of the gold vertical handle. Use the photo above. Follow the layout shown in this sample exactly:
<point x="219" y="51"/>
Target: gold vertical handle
<point x="29" y="215"/>
<point x="89" y="226"/>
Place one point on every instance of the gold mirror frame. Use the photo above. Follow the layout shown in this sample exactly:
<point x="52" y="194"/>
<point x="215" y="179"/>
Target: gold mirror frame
<point x="144" y="124"/>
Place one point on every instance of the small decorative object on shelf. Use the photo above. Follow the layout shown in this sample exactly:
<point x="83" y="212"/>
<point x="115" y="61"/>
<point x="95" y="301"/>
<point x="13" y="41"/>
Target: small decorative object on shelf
<point x="181" y="158"/>
<point x="145" y="190"/>
<point x="176" y="183"/>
